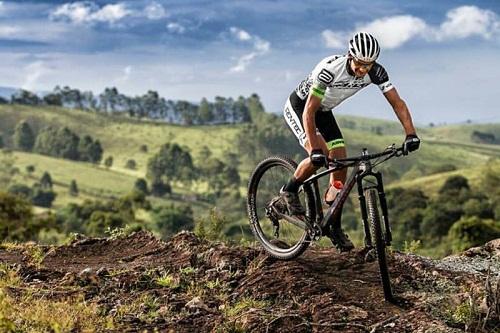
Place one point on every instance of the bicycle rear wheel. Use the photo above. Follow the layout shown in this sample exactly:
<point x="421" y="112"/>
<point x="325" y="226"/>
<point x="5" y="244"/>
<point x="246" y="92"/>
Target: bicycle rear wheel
<point x="280" y="238"/>
<point x="377" y="234"/>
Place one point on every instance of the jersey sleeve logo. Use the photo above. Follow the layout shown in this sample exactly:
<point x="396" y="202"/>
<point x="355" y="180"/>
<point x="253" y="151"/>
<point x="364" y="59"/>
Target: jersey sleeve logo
<point x="378" y="74"/>
<point x="325" y="77"/>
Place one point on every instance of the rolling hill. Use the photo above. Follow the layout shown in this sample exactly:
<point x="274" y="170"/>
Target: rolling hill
<point x="445" y="151"/>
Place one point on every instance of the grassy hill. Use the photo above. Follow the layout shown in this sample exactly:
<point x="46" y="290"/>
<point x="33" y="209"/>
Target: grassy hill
<point x="121" y="137"/>
<point x="445" y="151"/>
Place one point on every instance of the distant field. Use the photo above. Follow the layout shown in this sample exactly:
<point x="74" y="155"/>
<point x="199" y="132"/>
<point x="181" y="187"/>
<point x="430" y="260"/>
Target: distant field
<point x="431" y="184"/>
<point x="122" y="138"/>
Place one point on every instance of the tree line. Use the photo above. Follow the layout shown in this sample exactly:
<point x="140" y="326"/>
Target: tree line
<point x="150" y="105"/>
<point x="57" y="142"/>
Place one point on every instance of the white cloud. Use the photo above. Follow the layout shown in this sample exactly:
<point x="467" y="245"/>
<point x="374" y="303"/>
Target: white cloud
<point x="8" y="32"/>
<point x="88" y="12"/>
<point x="30" y="31"/>
<point x="111" y="13"/>
<point x="33" y="72"/>
<point x="334" y="40"/>
<point x="260" y="47"/>
<point x="155" y="11"/>
<point x="176" y="28"/>
<point x="240" y="34"/>
<point x="394" y="31"/>
<point x="466" y="21"/>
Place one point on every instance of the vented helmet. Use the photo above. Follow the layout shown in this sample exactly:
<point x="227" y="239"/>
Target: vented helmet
<point x="364" y="47"/>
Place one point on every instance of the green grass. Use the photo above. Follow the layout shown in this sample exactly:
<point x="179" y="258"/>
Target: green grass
<point x="122" y="137"/>
<point x="431" y="184"/>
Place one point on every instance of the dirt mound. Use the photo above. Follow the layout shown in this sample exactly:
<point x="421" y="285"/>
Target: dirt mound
<point x="190" y="285"/>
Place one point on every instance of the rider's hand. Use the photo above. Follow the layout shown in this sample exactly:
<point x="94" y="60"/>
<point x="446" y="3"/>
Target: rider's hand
<point x="317" y="157"/>
<point x="412" y="142"/>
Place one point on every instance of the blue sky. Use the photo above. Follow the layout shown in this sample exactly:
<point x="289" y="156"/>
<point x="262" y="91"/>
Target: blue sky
<point x="441" y="55"/>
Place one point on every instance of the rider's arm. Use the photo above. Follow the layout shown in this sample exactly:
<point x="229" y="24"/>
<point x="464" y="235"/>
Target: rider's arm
<point x="378" y="75"/>
<point x="308" y="119"/>
<point x="401" y="110"/>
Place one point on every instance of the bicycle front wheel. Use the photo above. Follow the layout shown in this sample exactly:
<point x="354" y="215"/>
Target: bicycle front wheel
<point x="377" y="234"/>
<point x="281" y="239"/>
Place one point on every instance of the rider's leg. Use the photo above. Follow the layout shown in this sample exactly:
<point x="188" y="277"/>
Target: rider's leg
<point x="305" y="168"/>
<point x="341" y="175"/>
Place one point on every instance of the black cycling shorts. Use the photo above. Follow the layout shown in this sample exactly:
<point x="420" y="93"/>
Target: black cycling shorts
<point x="325" y="123"/>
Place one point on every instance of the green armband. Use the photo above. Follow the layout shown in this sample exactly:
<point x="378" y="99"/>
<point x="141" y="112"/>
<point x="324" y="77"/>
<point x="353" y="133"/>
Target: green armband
<point x="318" y="92"/>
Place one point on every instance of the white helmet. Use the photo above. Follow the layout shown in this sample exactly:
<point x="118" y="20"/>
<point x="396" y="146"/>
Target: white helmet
<point x="364" y="47"/>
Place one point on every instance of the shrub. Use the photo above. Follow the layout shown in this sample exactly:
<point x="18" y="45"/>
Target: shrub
<point x="472" y="231"/>
<point x="131" y="164"/>
<point x="141" y="185"/>
<point x="73" y="188"/>
<point x="108" y="162"/>
<point x="171" y="219"/>
<point x="16" y="218"/>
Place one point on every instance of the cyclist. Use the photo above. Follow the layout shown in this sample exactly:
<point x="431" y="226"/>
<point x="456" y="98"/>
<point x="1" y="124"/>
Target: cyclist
<point x="308" y="113"/>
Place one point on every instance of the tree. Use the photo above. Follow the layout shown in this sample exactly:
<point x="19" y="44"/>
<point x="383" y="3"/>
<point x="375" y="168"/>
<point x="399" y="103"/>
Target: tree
<point x="172" y="163"/>
<point x="46" y="181"/>
<point x="143" y="149"/>
<point x="60" y="142"/>
<point x="2" y="144"/>
<point x="472" y="231"/>
<point x="25" y="97"/>
<point x="159" y="189"/>
<point x="255" y="108"/>
<point x="73" y="188"/>
<point x="53" y="99"/>
<point x="108" y="162"/>
<point x="101" y="221"/>
<point x="90" y="150"/>
<point x="42" y="197"/>
<point x="21" y="190"/>
<point x="438" y="218"/>
<point x="24" y="138"/>
<point x="131" y="164"/>
<point x="30" y="169"/>
<point x="171" y="219"/>
<point x="141" y="185"/>
<point x="16" y="216"/>
<point x="205" y="112"/>
<point x="479" y="207"/>
<point x="454" y="184"/>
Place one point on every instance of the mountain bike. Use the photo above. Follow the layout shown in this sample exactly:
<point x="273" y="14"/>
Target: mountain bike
<point x="286" y="237"/>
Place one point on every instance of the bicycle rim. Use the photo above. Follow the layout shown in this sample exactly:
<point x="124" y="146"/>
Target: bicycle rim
<point x="280" y="238"/>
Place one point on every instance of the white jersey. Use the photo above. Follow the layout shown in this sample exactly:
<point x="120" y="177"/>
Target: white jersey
<point x="333" y="79"/>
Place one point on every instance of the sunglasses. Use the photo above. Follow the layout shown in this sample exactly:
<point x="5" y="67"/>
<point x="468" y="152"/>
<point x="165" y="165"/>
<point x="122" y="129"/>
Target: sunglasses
<point x="362" y="64"/>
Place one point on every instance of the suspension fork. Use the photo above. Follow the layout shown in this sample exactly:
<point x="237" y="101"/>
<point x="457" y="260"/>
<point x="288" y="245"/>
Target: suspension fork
<point x="364" y="214"/>
<point x="383" y="205"/>
<point x="385" y="210"/>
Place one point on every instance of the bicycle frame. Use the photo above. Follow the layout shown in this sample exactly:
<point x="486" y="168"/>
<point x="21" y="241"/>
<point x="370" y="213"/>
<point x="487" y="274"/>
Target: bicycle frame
<point x="361" y="169"/>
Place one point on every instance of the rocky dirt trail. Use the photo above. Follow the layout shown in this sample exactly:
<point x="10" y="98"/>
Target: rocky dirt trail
<point x="192" y="285"/>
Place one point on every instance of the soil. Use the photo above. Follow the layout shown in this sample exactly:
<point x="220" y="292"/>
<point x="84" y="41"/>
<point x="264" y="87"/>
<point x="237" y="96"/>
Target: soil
<point x="191" y="285"/>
